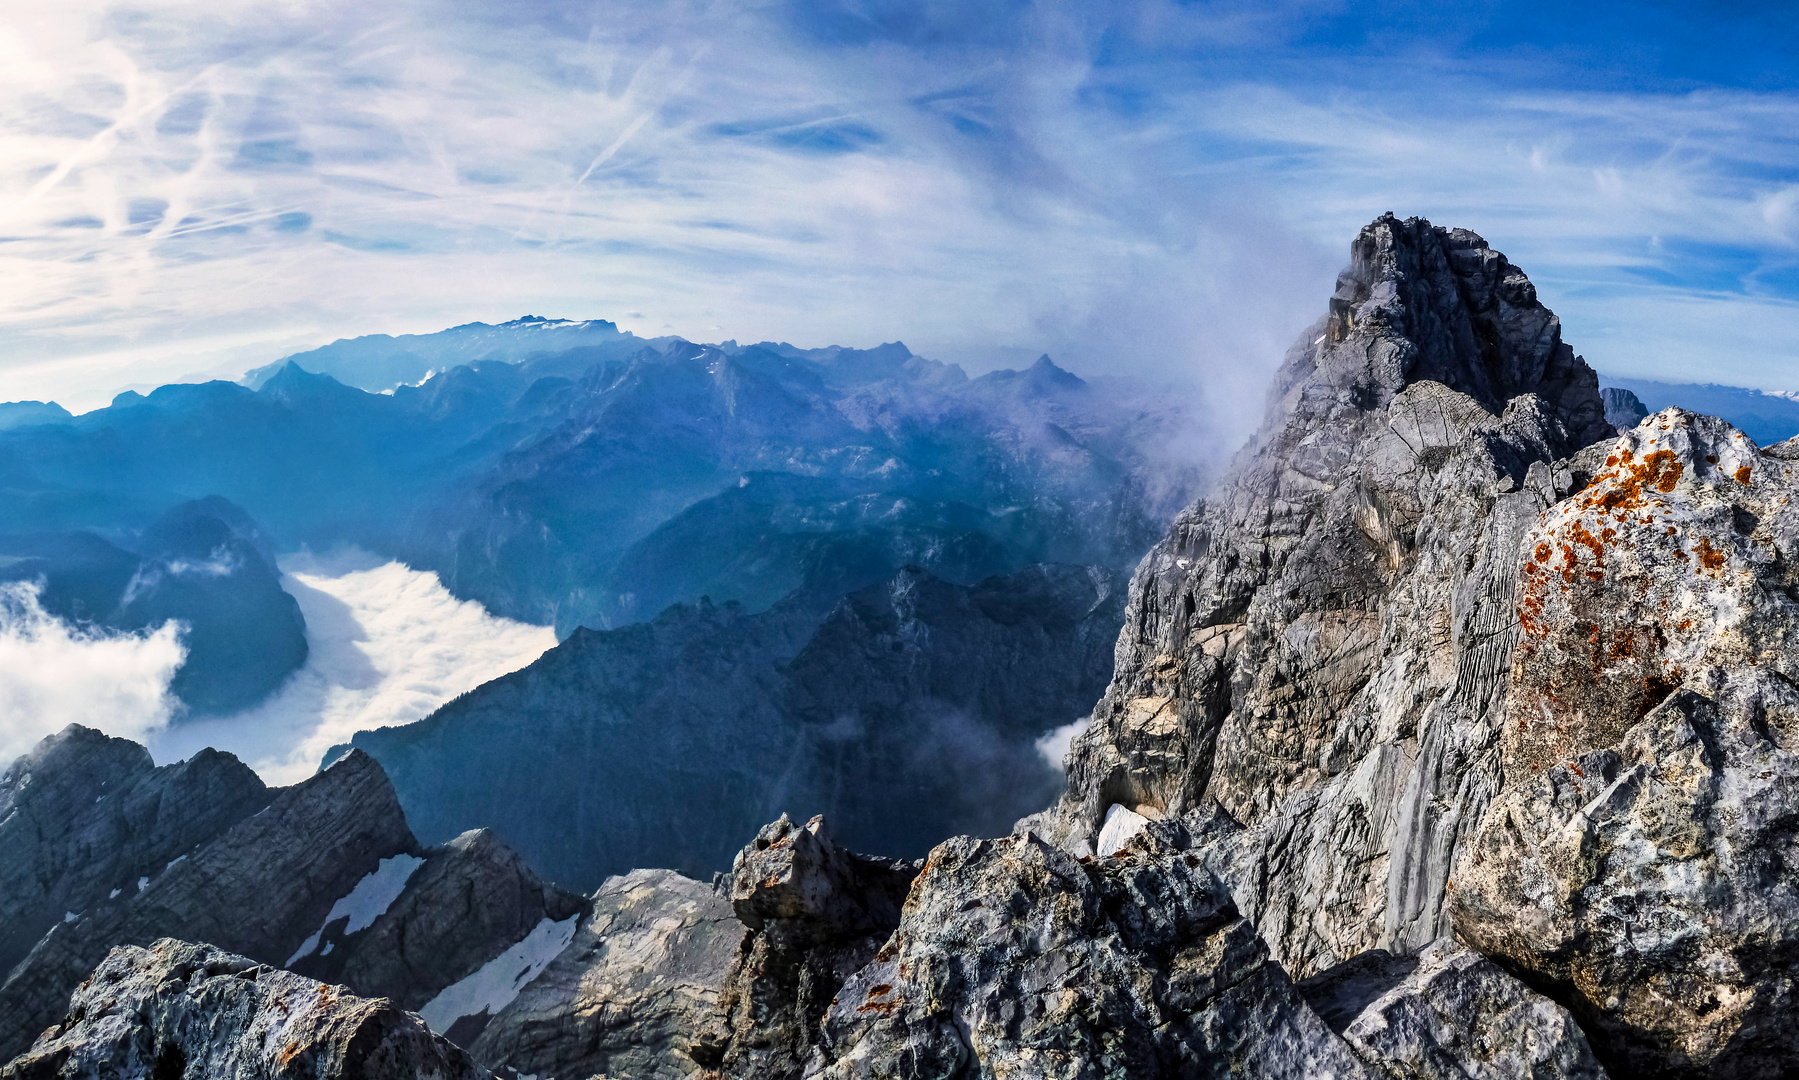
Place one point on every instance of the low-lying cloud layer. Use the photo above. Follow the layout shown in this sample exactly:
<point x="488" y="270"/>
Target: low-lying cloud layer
<point x="53" y="674"/>
<point x="389" y="644"/>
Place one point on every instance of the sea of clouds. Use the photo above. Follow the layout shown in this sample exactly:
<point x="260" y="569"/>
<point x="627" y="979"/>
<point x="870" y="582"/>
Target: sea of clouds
<point x="389" y="644"/>
<point x="53" y="674"/>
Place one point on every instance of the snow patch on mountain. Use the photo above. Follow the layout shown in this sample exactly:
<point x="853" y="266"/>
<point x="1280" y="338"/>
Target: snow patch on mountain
<point x="493" y="986"/>
<point x="368" y="901"/>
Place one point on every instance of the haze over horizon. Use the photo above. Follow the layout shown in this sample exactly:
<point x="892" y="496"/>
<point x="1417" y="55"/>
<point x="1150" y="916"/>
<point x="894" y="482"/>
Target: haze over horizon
<point x="192" y="190"/>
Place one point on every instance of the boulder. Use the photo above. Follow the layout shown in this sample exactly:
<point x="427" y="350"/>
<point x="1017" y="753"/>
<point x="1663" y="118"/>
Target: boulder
<point x="816" y="914"/>
<point x="176" y="1009"/>
<point x="1016" y="958"/>
<point x="1449" y="1013"/>
<point x="1638" y="863"/>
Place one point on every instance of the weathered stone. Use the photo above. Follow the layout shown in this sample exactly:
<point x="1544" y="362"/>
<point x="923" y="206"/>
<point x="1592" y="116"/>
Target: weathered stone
<point x="1321" y="645"/>
<point x="627" y="997"/>
<point x="1449" y="1013"/>
<point x="175" y="1009"/>
<point x="259" y="889"/>
<point x="817" y="913"/>
<point x="1650" y="885"/>
<point x="1638" y="864"/>
<point x="1015" y="958"/>
<point x="83" y="816"/>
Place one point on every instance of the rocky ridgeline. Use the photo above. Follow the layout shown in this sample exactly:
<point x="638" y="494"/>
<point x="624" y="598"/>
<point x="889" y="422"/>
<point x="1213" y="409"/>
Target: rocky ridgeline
<point x="1455" y="735"/>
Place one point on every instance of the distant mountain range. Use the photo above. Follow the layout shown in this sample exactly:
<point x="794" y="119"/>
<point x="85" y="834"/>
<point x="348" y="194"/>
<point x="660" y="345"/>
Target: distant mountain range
<point x="855" y="579"/>
<point x="1766" y="417"/>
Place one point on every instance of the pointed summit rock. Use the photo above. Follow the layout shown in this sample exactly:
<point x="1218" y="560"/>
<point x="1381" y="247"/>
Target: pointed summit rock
<point x="1320" y="645"/>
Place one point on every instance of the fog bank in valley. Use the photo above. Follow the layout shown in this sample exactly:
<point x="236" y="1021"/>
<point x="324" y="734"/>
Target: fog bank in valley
<point x="389" y="644"/>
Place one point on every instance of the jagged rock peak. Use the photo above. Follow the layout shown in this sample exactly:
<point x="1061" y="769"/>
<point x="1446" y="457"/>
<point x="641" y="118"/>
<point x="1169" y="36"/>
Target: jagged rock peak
<point x="1319" y="646"/>
<point x="1420" y="302"/>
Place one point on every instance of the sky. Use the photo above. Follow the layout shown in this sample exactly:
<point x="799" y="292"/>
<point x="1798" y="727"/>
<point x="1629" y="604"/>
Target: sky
<point x="188" y="190"/>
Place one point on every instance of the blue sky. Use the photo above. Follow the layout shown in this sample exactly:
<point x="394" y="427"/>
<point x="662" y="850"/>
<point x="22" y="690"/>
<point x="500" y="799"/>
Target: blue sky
<point x="194" y="189"/>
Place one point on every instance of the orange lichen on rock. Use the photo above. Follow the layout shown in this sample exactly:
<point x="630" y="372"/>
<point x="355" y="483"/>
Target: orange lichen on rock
<point x="1743" y="476"/>
<point x="1659" y="471"/>
<point x="1710" y="557"/>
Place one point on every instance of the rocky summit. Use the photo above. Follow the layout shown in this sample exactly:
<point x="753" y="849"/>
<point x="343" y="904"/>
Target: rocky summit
<point x="1454" y="734"/>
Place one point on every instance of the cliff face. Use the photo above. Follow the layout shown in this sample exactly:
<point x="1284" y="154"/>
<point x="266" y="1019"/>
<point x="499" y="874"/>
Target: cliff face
<point x="906" y="711"/>
<point x="1321" y="645"/>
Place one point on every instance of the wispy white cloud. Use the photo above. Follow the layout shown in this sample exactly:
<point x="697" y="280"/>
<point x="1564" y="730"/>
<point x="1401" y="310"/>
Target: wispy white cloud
<point x="388" y="645"/>
<point x="53" y="674"/>
<point x="186" y="184"/>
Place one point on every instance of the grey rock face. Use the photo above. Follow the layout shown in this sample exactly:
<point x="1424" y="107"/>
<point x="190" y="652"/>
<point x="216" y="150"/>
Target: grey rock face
<point x="466" y="902"/>
<point x="175" y="1009"/>
<point x="84" y="815"/>
<point x="1014" y="958"/>
<point x="259" y="889"/>
<point x="1321" y="645"/>
<point x="816" y="914"/>
<point x="1638" y="864"/>
<point x="906" y="712"/>
<point x="1448" y="1012"/>
<point x="1622" y="409"/>
<point x="631" y="992"/>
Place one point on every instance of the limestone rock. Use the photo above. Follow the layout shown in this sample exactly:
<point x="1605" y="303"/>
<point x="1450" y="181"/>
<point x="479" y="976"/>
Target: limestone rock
<point x="1321" y="645"/>
<point x="628" y="995"/>
<point x="175" y="1009"/>
<point x="259" y="889"/>
<point x="816" y="915"/>
<point x="1650" y="886"/>
<point x="84" y="816"/>
<point x="1676" y="558"/>
<point x="1015" y="958"/>
<point x="1449" y="1013"/>
<point x="1637" y="864"/>
<point x="465" y="903"/>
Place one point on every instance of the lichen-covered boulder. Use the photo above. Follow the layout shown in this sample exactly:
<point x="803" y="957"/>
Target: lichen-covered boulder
<point x="1639" y="861"/>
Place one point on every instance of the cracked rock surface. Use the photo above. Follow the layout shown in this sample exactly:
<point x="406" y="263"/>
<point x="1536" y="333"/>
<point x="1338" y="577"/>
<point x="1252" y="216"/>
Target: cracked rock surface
<point x="1451" y="1013"/>
<point x="176" y="1009"/>
<point x="1321" y="645"/>
<point x="629" y="993"/>
<point x="1015" y="958"/>
<point x="816" y="914"/>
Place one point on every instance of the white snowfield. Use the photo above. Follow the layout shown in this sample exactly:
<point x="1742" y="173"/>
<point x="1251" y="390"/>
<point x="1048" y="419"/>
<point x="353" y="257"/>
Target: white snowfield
<point x="492" y="987"/>
<point x="368" y="901"/>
